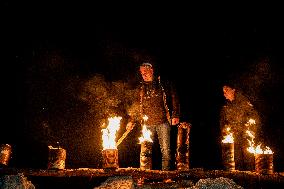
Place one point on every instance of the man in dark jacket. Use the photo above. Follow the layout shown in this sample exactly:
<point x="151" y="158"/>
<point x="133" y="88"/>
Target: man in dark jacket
<point x="159" y="102"/>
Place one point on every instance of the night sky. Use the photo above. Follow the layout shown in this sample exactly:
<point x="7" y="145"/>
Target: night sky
<point x="52" y="50"/>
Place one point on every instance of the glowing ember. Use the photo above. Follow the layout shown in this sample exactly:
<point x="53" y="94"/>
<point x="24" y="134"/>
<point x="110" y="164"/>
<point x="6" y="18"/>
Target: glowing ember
<point x="229" y="137"/>
<point x="109" y="133"/>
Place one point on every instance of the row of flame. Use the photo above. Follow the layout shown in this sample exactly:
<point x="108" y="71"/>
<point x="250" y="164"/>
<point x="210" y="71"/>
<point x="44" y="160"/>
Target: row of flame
<point x="110" y="132"/>
<point x="252" y="147"/>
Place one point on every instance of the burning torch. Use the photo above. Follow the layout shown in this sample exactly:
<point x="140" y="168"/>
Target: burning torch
<point x="228" y="151"/>
<point x="146" y="147"/>
<point x="56" y="157"/>
<point x="110" y="152"/>
<point x="263" y="158"/>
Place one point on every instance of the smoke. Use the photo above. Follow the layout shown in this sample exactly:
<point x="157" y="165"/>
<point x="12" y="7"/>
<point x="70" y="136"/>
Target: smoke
<point x="109" y="98"/>
<point x="256" y="79"/>
<point x="256" y="83"/>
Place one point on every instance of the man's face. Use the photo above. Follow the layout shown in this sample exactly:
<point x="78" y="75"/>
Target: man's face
<point x="147" y="72"/>
<point x="229" y="93"/>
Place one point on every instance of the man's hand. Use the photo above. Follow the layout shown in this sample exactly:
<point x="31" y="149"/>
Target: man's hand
<point x="175" y="121"/>
<point x="129" y="126"/>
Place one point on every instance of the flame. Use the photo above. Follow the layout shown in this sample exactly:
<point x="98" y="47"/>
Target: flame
<point x="229" y="137"/>
<point x="251" y="148"/>
<point x="109" y="133"/>
<point x="146" y="133"/>
<point x="250" y="122"/>
<point x="267" y="150"/>
<point x="145" y="117"/>
<point x="259" y="150"/>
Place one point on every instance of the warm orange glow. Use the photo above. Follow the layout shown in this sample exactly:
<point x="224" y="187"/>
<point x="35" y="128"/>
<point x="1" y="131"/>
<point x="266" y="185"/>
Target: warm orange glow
<point x="109" y="133"/>
<point x="146" y="133"/>
<point x="251" y="136"/>
<point x="259" y="150"/>
<point x="252" y="149"/>
<point x="250" y="122"/>
<point x="145" y="118"/>
<point x="229" y="137"/>
<point x="267" y="150"/>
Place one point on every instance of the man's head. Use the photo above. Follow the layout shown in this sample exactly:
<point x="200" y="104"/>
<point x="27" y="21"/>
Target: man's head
<point x="147" y="71"/>
<point x="229" y="92"/>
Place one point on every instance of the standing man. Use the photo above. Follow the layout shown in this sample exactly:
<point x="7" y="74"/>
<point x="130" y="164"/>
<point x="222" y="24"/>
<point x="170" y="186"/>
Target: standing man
<point x="160" y="103"/>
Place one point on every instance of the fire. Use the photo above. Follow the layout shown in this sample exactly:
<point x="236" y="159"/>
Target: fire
<point x="146" y="133"/>
<point x="259" y="150"/>
<point x="252" y="149"/>
<point x="229" y="137"/>
<point x="109" y="133"/>
<point x="251" y="136"/>
<point x="267" y="150"/>
<point x="250" y="122"/>
<point x="145" y="118"/>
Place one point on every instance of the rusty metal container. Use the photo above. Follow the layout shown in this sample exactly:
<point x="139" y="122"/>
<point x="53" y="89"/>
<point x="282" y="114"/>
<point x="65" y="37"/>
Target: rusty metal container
<point x="56" y="158"/>
<point x="264" y="163"/>
<point x="5" y="154"/>
<point x="182" y="153"/>
<point x="228" y="156"/>
<point x="146" y="155"/>
<point x="110" y="159"/>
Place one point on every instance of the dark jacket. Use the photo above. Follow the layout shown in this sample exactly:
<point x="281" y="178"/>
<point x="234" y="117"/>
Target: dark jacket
<point x="170" y="98"/>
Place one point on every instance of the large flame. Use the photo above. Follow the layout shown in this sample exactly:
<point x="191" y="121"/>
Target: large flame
<point x="109" y="133"/>
<point x="251" y="136"/>
<point x="229" y="137"/>
<point x="252" y="147"/>
<point x="146" y="133"/>
<point x="259" y="150"/>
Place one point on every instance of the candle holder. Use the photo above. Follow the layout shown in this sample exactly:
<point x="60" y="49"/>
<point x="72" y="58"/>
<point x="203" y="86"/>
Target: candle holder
<point x="110" y="158"/>
<point x="264" y="163"/>
<point x="146" y="155"/>
<point x="56" y="158"/>
<point x="5" y="154"/>
<point x="228" y="156"/>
